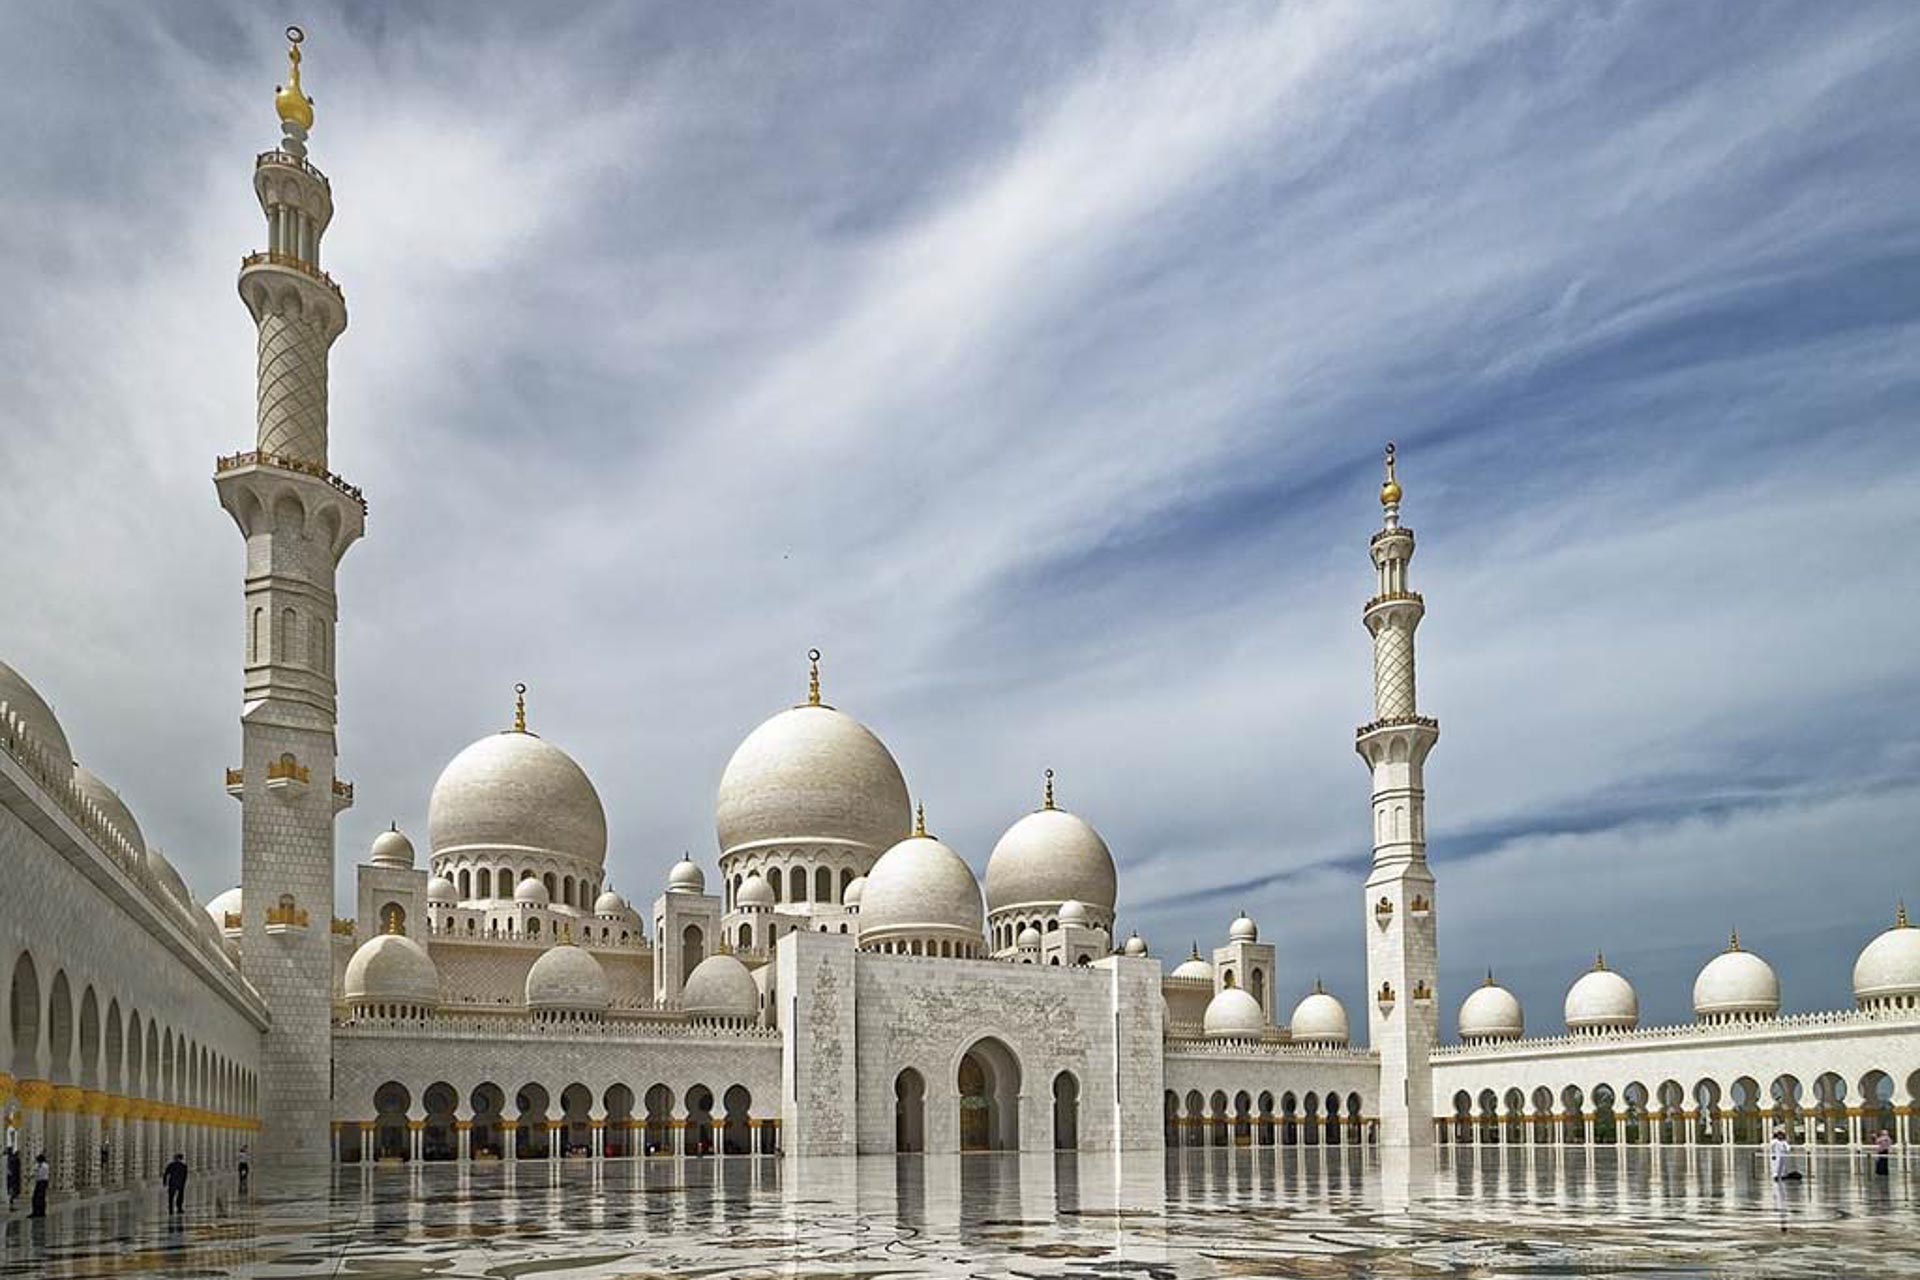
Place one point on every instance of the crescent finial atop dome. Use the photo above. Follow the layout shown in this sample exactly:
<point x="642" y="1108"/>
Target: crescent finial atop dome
<point x="1046" y="800"/>
<point x="813" y="677"/>
<point x="294" y="106"/>
<point x="1390" y="490"/>
<point x="520" y="709"/>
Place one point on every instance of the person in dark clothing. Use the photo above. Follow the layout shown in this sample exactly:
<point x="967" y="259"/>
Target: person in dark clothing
<point x="175" y="1176"/>
<point x="42" y="1175"/>
<point x="246" y="1166"/>
<point x="13" y="1176"/>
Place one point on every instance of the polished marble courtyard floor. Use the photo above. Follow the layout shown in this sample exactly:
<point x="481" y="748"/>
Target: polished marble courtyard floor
<point x="1194" y="1213"/>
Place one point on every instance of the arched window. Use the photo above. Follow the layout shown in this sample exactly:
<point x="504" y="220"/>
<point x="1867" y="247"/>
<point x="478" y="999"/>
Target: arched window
<point x="393" y="918"/>
<point x="257" y="637"/>
<point x="774" y="882"/>
<point x="533" y="926"/>
<point x="283" y="642"/>
<point x="823" y="885"/>
<point x="797" y="884"/>
<point x="485" y="880"/>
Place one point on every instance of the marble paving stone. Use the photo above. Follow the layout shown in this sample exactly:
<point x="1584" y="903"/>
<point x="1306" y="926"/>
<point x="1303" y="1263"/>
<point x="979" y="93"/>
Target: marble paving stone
<point x="1291" y="1212"/>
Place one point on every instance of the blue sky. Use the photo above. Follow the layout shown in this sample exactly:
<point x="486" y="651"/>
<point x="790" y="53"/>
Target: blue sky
<point x="1034" y="362"/>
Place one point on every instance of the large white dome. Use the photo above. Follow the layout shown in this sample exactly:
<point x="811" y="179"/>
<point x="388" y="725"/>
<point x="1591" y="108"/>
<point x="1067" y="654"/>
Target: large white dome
<point x="812" y="775"/>
<point x="1233" y="1014"/>
<point x="111" y="806"/>
<point x="921" y="888"/>
<point x="570" y="979"/>
<point x="1320" y="1019"/>
<point x="24" y="701"/>
<point x="391" y="968"/>
<point x="169" y="878"/>
<point x="721" y="987"/>
<point x="1889" y="967"/>
<point x="1051" y="856"/>
<point x="1602" y="1000"/>
<point x="1491" y="1012"/>
<point x="1736" y="984"/>
<point x="515" y="793"/>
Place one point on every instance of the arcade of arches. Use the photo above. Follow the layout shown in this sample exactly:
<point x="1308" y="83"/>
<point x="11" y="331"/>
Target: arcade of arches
<point x="1244" y="1119"/>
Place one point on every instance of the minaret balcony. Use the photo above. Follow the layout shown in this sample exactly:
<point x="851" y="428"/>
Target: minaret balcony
<point x="227" y="464"/>
<point x="291" y="161"/>
<point x="342" y="796"/>
<point x="236" y="783"/>
<point x="286" y="918"/>
<point x="1398" y="722"/>
<point x="268" y="258"/>
<point x="287" y="777"/>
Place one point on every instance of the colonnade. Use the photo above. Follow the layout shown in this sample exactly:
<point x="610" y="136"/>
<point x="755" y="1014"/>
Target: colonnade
<point x="98" y="1142"/>
<point x="1308" y="1119"/>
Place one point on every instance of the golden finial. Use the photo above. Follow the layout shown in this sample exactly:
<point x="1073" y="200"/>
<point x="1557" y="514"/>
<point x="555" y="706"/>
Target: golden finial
<point x="1733" y="940"/>
<point x="1900" y="917"/>
<point x="1196" y="950"/>
<point x="1047" y="799"/>
<point x="519" y="708"/>
<point x="813" y="677"/>
<point x="1489" y="982"/>
<point x="294" y="106"/>
<point x="1390" y="491"/>
<point x="920" y="820"/>
<point x="1600" y="962"/>
<point x="1317" y="988"/>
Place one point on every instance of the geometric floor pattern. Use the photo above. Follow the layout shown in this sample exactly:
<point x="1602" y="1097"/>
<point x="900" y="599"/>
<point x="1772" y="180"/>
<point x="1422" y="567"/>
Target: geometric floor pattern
<point x="1240" y="1213"/>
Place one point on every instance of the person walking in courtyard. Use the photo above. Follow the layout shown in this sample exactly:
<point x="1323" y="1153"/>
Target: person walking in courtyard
<point x="106" y="1160"/>
<point x="1778" y="1150"/>
<point x="13" y="1176"/>
<point x="42" y="1175"/>
<point x="175" y="1176"/>
<point x="246" y="1167"/>
<point x="1882" y="1148"/>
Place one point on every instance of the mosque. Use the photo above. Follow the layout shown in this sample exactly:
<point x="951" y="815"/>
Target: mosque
<point x="841" y="983"/>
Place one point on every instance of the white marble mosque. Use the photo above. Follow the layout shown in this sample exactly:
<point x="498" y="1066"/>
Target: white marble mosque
<point x="838" y="984"/>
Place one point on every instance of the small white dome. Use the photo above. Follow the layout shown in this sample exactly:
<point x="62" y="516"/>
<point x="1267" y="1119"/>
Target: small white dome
<point x="112" y="807"/>
<point x="1602" y="1000"/>
<point x="1889" y="967"/>
<point x="516" y="793"/>
<point x="610" y="903"/>
<point x="532" y="891"/>
<point x="1029" y="938"/>
<point x="169" y="878"/>
<point x="391" y="848"/>
<point x="391" y="968"/>
<point x="920" y="887"/>
<point x="1243" y="930"/>
<point x="1194" y="967"/>
<point x="222" y="905"/>
<point x="1736" y="983"/>
<point x="686" y="877"/>
<point x="856" y="887"/>
<point x="812" y="775"/>
<point x="1233" y="1014"/>
<point x="1051" y="856"/>
<point x="721" y="987"/>
<point x="567" y="978"/>
<point x="1491" y="1012"/>
<point x="1320" y="1019"/>
<point x="441" y="889"/>
<point x="1073" y="911"/>
<point x="24" y="701"/>
<point x="755" y="892"/>
<point x="1136" y="945"/>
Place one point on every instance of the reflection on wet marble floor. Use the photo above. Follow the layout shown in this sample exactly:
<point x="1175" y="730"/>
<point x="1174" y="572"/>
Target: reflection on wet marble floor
<point x="1194" y="1213"/>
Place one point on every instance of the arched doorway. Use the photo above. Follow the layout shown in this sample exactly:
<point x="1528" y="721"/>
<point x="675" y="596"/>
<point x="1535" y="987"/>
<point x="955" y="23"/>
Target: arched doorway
<point x="390" y="1102"/>
<point x="736" y="1132"/>
<point x="659" y="1121"/>
<point x="483" y="1133"/>
<point x="576" y="1121"/>
<point x="438" y="1137"/>
<point x="1066" y="1112"/>
<point x="617" y="1137"/>
<point x="532" y="1139"/>
<point x="699" y="1131"/>
<point x="909" y="1111"/>
<point x="693" y="949"/>
<point x="989" y="1086"/>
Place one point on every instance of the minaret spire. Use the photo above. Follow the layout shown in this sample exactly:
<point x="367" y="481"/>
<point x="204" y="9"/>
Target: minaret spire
<point x="298" y="520"/>
<point x="1399" y="906"/>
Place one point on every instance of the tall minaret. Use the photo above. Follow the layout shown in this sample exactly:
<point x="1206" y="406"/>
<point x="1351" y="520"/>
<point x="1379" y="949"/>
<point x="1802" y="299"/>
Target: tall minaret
<point x="298" y="519"/>
<point x="1402" y="1021"/>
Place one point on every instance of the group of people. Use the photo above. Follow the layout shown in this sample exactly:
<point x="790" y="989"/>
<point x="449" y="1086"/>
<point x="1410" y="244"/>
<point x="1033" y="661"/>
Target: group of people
<point x="173" y="1178"/>
<point x="1780" y="1155"/>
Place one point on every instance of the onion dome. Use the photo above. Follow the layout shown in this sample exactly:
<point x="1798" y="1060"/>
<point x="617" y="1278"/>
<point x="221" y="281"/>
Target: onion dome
<point x="1051" y="856"/>
<point x="1243" y="929"/>
<point x="1736" y="985"/>
<point x="222" y="905"/>
<point x="111" y="807"/>
<point x="532" y="892"/>
<point x="1073" y="911"/>
<point x="391" y="849"/>
<point x="855" y="890"/>
<point x="755" y="892"/>
<point x="1194" y="967"/>
<point x="1602" y="1000"/>
<point x="686" y="877"/>
<point x="1888" y="969"/>
<point x="721" y="987"/>
<point x="1029" y="939"/>
<point x="391" y="969"/>
<point x="516" y="793"/>
<point x="566" y="979"/>
<point x="441" y="889"/>
<point x="1136" y="945"/>
<point x="163" y="871"/>
<point x="21" y="699"/>
<point x="1319" y="1019"/>
<point x="1233" y="1014"/>
<point x="1491" y="1012"/>
<point x="811" y="775"/>
<point x="920" y="890"/>
<point x="610" y="903"/>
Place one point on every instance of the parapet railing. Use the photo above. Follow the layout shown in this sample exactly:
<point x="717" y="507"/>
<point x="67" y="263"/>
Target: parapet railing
<point x="292" y="161"/>
<point x="1396" y="722"/>
<point x="260" y="458"/>
<point x="1756" y="1028"/>
<point x="274" y="258"/>
<point x="1205" y="1047"/>
<point x="519" y="1024"/>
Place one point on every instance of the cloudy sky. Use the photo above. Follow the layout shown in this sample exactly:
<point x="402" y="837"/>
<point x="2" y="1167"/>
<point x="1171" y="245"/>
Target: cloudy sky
<point x="1034" y="363"/>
